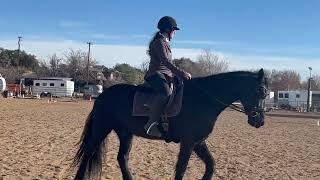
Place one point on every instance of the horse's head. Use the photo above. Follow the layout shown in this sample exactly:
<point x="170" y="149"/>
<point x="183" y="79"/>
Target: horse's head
<point x="253" y="100"/>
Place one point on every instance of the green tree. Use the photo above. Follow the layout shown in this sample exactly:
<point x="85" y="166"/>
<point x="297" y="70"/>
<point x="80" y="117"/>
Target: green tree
<point x="10" y="58"/>
<point x="4" y="58"/>
<point x="129" y="74"/>
<point x="189" y="66"/>
<point x="28" y="60"/>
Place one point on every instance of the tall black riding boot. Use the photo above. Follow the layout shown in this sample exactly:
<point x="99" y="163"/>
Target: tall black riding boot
<point x="156" y="110"/>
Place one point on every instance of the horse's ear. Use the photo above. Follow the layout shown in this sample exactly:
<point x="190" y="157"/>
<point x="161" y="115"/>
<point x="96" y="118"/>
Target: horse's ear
<point x="261" y="73"/>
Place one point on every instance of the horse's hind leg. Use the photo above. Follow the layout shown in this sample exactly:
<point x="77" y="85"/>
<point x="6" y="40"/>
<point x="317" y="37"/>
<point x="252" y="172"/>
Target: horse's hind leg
<point x="123" y="154"/>
<point x="204" y="154"/>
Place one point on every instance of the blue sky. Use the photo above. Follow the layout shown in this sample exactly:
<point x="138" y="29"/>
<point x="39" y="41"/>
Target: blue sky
<point x="250" y="34"/>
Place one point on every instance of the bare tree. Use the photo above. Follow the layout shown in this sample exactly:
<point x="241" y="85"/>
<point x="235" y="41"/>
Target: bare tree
<point x="54" y="63"/>
<point x="76" y="64"/>
<point x="9" y="73"/>
<point x="43" y="70"/>
<point x="211" y="63"/>
<point x="315" y="83"/>
<point x="145" y="65"/>
<point x="284" y="80"/>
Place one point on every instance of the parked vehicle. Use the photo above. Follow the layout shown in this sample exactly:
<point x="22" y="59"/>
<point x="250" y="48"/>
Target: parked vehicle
<point x="53" y="86"/>
<point x="92" y="90"/>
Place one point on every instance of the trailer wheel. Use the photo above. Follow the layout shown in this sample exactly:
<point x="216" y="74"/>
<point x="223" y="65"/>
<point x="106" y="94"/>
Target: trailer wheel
<point x="45" y="94"/>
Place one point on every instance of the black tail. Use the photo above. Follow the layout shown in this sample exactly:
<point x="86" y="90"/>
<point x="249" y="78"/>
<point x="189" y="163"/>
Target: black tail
<point x="92" y="145"/>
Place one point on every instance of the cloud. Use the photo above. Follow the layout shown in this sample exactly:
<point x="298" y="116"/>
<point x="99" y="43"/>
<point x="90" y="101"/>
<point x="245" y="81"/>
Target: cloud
<point x="106" y="54"/>
<point x="106" y="37"/>
<point x="141" y="36"/>
<point x="296" y="50"/>
<point x="109" y="55"/>
<point x="206" y="42"/>
<point x="242" y="47"/>
<point x="239" y="62"/>
<point x="118" y="37"/>
<point x="71" y="24"/>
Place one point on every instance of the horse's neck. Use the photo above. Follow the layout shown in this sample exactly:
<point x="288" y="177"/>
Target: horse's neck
<point x="221" y="92"/>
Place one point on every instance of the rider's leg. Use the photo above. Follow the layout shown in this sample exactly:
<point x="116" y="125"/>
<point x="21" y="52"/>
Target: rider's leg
<point x="161" y="87"/>
<point x="156" y="109"/>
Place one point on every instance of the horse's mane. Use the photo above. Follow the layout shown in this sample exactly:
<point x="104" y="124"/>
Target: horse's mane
<point x="223" y="76"/>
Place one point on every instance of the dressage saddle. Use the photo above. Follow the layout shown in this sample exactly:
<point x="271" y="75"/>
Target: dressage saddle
<point x="144" y="97"/>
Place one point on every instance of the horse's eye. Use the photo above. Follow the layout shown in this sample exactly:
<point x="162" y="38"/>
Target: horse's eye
<point x="262" y="92"/>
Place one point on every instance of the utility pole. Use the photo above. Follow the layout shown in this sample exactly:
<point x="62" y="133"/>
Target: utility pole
<point x="18" y="61"/>
<point x="89" y="44"/>
<point x="19" y="39"/>
<point x="309" y="91"/>
<point x="18" y="56"/>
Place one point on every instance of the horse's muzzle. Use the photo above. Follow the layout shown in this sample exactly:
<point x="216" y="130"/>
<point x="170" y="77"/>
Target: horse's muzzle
<point x="256" y="119"/>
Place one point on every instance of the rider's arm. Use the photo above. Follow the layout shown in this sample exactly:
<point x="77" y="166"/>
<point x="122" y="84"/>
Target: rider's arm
<point x="165" y="58"/>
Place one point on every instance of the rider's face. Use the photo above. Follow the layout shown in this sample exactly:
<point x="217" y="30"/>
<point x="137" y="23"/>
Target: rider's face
<point x="172" y="33"/>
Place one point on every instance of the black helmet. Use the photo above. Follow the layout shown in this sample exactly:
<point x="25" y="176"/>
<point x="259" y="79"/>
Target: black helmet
<point x="167" y="23"/>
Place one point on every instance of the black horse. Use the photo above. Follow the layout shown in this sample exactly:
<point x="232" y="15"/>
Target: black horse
<point x="203" y="100"/>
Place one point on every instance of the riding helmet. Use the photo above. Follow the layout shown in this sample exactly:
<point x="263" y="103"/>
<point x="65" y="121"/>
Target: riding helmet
<point x="167" y="23"/>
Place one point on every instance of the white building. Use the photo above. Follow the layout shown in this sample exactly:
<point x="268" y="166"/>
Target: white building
<point x="294" y="99"/>
<point x="54" y="86"/>
<point x="269" y="102"/>
<point x="270" y="97"/>
<point x="316" y="100"/>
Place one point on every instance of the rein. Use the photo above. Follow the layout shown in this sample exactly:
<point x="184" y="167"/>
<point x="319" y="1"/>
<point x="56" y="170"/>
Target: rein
<point x="232" y="106"/>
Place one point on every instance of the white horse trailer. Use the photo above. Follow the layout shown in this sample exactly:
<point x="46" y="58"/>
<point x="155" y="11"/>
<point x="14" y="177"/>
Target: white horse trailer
<point x="294" y="99"/>
<point x="2" y="84"/>
<point x="58" y="87"/>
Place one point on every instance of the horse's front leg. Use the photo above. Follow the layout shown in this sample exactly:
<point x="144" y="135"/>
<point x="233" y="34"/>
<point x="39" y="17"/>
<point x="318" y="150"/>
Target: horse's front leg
<point x="183" y="159"/>
<point x="204" y="154"/>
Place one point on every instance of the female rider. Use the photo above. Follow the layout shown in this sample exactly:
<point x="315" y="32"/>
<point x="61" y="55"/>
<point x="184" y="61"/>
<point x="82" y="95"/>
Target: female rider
<point x="161" y="71"/>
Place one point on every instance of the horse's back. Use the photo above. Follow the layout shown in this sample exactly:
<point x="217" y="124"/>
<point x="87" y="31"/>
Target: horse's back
<point x="118" y="89"/>
<point x="117" y="97"/>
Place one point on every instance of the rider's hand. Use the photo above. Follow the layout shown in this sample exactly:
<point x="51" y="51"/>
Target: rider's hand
<point x="187" y="76"/>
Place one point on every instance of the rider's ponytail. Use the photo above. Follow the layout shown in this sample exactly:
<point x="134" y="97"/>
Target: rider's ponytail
<point x="155" y="36"/>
